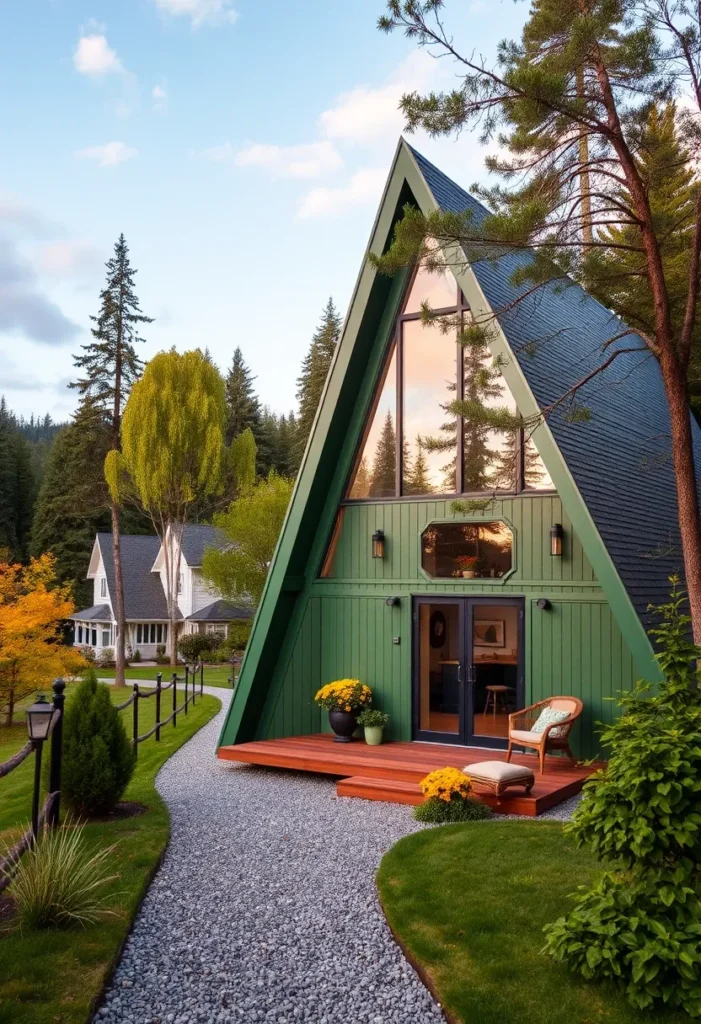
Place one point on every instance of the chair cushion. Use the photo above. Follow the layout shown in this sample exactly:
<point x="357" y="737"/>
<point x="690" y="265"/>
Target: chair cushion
<point x="523" y="736"/>
<point x="549" y="716"/>
<point x="497" y="771"/>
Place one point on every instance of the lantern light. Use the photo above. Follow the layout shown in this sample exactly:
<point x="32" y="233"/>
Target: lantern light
<point x="556" y="536"/>
<point x="39" y="717"/>
<point x="378" y="544"/>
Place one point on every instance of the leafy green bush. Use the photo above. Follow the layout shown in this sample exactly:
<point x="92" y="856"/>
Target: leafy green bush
<point x="372" y="718"/>
<point x="641" y="923"/>
<point x="236" y="641"/>
<point x="194" y="646"/>
<point x="435" y="811"/>
<point x="161" y="656"/>
<point x="98" y="760"/>
<point x="58" y="883"/>
<point x="136" y="656"/>
<point x="105" y="657"/>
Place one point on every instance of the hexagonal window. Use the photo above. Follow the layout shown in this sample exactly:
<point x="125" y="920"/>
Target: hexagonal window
<point x="467" y="550"/>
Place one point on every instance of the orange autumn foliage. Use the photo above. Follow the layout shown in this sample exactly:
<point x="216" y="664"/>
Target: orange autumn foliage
<point x="32" y="608"/>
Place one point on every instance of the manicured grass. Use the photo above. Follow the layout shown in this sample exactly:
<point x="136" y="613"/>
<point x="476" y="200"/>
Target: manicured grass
<point x="469" y="903"/>
<point x="54" y="976"/>
<point x="214" y="675"/>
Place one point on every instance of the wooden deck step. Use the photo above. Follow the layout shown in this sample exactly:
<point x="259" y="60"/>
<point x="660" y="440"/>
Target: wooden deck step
<point x="390" y="790"/>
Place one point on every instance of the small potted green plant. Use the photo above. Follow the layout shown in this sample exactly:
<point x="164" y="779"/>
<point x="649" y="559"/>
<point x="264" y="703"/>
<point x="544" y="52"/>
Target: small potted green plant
<point x="373" y="722"/>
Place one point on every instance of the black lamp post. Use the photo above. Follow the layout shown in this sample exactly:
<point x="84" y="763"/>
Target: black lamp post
<point x="556" y="535"/>
<point x="378" y="544"/>
<point x="39" y="717"/>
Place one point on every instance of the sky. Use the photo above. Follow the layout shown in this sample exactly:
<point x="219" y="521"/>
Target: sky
<point x="241" y="146"/>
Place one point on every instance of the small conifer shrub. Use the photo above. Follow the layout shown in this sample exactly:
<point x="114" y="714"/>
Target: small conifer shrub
<point x="98" y="760"/>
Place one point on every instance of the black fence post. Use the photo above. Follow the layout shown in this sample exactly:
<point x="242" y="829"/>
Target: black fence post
<point x="159" y="680"/>
<point x="135" y="720"/>
<point x="194" y="683"/>
<point x="175" y="698"/>
<point x="186" y="675"/>
<point x="59" y="687"/>
<point x="201" y="678"/>
<point x="38" y="744"/>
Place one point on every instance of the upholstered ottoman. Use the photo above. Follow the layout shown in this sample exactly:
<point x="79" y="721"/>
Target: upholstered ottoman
<point x="498" y="775"/>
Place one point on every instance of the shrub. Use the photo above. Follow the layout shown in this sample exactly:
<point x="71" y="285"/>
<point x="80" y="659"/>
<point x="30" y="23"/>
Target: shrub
<point x="98" y="759"/>
<point x="106" y="656"/>
<point x="58" y="882"/>
<point x="436" y="811"/>
<point x="193" y="646"/>
<point x="640" y="925"/>
<point x="161" y="656"/>
<point x="136" y="656"/>
<point x="343" y="695"/>
<point x="372" y="718"/>
<point x="89" y="654"/>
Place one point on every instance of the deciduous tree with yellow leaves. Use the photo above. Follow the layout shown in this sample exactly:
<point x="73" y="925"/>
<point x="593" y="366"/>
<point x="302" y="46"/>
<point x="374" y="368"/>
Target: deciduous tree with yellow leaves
<point x="32" y="607"/>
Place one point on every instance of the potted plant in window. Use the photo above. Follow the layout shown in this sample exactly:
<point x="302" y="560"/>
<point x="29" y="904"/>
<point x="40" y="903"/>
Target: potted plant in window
<point x="373" y="722"/>
<point x="344" y="699"/>
<point x="467" y="565"/>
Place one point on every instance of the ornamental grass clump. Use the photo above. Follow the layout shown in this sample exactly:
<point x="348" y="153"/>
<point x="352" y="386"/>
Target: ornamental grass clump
<point x="640" y="924"/>
<point x="60" y="883"/>
<point x="344" y="695"/>
<point x="448" y="798"/>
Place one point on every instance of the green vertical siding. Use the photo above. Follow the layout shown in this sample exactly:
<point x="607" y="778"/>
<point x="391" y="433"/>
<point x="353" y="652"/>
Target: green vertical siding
<point x="345" y="627"/>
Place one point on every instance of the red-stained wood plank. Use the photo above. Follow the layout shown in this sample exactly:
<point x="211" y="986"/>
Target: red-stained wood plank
<point x="392" y="771"/>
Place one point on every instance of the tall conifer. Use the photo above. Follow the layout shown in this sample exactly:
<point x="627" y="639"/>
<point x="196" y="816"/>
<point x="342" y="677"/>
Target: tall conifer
<point x="110" y="365"/>
<point x="242" y="405"/>
<point x="315" y="369"/>
<point x="383" y="480"/>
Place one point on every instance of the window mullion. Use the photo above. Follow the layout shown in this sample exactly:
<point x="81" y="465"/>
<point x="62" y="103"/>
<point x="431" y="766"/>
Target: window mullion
<point x="399" y="349"/>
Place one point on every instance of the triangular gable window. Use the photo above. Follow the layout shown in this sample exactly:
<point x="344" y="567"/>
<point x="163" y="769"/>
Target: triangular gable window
<point x="439" y="453"/>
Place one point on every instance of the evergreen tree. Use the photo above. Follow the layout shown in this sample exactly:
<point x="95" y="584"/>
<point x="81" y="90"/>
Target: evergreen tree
<point x="383" y="481"/>
<point x="243" y="407"/>
<point x="110" y="365"/>
<point x="417" y="479"/>
<point x="17" y="487"/>
<point x="315" y="369"/>
<point x="361" y="482"/>
<point x="285" y="461"/>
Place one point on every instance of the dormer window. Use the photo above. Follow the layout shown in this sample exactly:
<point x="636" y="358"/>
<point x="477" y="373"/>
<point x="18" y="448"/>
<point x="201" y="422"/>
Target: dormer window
<point x="181" y="581"/>
<point x="103" y="586"/>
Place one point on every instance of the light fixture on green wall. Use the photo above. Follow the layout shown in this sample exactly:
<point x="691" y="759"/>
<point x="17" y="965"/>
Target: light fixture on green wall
<point x="556" y="536"/>
<point x="378" y="544"/>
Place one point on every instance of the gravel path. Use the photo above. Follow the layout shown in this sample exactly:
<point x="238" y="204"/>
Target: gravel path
<point x="265" y="908"/>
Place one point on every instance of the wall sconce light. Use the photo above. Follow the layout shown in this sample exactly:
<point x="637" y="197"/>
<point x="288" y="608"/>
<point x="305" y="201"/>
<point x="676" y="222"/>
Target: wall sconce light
<point x="378" y="544"/>
<point x="543" y="604"/>
<point x="393" y="602"/>
<point x="556" y="536"/>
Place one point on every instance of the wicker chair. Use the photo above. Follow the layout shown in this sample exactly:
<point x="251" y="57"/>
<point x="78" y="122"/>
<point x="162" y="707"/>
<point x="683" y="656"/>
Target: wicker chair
<point x="521" y="723"/>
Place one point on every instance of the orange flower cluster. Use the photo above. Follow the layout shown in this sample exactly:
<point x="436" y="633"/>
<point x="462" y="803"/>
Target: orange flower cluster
<point x="445" y="783"/>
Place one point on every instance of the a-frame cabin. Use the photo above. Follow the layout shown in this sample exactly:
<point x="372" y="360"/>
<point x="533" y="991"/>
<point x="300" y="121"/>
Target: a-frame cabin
<point x="461" y="602"/>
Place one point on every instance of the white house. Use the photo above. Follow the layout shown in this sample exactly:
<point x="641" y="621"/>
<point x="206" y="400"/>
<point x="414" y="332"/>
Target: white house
<point x="146" y="609"/>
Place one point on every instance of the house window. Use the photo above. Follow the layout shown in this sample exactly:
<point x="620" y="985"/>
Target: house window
<point x="106" y="637"/>
<point x="414" y="443"/>
<point x="218" y="628"/>
<point x="80" y="633"/>
<point x="103" y="587"/>
<point x="151" y="633"/>
<point x="180" y="583"/>
<point x="467" y="550"/>
<point x="93" y="640"/>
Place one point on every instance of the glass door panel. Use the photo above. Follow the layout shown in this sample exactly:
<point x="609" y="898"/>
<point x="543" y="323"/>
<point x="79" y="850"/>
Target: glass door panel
<point x="439" y="674"/>
<point x="495" y="672"/>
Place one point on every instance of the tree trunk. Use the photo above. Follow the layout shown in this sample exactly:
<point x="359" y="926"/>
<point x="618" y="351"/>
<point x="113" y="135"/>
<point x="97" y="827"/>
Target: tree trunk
<point x="119" y="645"/>
<point x="584" y="186"/>
<point x="687" y="494"/>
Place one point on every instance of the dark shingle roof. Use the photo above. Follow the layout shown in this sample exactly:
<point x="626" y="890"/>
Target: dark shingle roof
<point x="196" y="538"/>
<point x="98" y="613"/>
<point x="620" y="459"/>
<point x="143" y="593"/>
<point x="220" y="611"/>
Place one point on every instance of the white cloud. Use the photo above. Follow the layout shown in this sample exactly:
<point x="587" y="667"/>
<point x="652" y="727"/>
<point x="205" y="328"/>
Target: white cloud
<point x="160" y="99"/>
<point x="108" y="155"/>
<point x="200" y="12"/>
<point x="69" y="259"/>
<point x="306" y="161"/>
<point x="364" y="187"/>
<point x="94" y="56"/>
<point x="218" y="154"/>
<point x="367" y="113"/>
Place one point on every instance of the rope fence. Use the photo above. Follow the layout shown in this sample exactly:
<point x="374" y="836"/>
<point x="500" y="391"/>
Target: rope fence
<point x="190" y="693"/>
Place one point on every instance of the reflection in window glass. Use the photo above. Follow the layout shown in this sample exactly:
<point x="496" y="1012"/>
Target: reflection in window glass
<point x="536" y="476"/>
<point x="489" y="456"/>
<point x="375" y="473"/>
<point x="438" y="289"/>
<point x="430" y="376"/>
<point x="467" y="550"/>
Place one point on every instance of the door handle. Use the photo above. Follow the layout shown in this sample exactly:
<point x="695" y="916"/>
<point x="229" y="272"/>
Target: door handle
<point x="460" y="673"/>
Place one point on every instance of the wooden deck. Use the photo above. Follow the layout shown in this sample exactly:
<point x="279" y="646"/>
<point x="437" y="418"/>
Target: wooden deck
<point x="392" y="771"/>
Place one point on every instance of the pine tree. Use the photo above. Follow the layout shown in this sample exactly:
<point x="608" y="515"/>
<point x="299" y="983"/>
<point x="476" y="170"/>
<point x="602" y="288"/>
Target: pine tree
<point x="110" y="365"/>
<point x="243" y="407"/>
<point x="285" y="456"/>
<point x="361" y="481"/>
<point x="315" y="369"/>
<point x="383" y="481"/>
<point x="17" y="487"/>
<point x="417" y="479"/>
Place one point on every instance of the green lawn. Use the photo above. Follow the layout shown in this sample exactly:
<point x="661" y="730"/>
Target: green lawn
<point x="214" y="675"/>
<point x="54" y="976"/>
<point x="469" y="903"/>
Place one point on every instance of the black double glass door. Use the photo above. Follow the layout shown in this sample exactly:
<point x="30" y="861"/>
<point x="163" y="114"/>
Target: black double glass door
<point x="467" y="668"/>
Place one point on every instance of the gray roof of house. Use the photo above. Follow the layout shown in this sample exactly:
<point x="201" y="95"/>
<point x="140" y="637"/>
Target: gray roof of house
<point x="143" y="594"/>
<point x="620" y="459"/>
<point x="98" y="613"/>
<point x="220" y="611"/>
<point x="196" y="538"/>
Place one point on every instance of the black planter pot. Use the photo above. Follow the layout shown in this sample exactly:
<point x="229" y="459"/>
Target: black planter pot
<point x="344" y="724"/>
